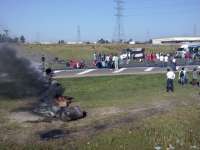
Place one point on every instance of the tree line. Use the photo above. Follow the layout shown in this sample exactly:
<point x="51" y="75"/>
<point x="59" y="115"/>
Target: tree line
<point x="6" y="38"/>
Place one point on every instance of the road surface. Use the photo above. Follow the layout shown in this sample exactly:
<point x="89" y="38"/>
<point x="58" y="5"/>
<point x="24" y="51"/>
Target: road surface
<point x="110" y="72"/>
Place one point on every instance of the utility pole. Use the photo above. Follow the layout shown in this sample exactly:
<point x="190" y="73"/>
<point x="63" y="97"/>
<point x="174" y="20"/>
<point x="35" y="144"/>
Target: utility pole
<point x="119" y="16"/>
<point x="37" y="37"/>
<point x="194" y="30"/>
<point x="148" y="35"/>
<point x="78" y="34"/>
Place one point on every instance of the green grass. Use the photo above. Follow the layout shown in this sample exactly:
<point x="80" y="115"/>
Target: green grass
<point x="86" y="51"/>
<point x="178" y="127"/>
<point x="122" y="90"/>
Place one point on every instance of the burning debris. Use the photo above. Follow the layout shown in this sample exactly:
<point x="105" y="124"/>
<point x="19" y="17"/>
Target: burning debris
<point x="19" y="79"/>
<point x="58" y="106"/>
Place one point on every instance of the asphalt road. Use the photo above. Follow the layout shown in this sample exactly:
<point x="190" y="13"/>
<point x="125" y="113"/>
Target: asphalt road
<point x="110" y="72"/>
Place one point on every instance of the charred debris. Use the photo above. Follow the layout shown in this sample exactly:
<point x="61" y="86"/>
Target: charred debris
<point x="20" y="78"/>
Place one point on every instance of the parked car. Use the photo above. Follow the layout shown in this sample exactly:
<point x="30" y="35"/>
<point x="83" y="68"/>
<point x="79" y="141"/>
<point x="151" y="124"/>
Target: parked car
<point x="180" y="53"/>
<point x="193" y="49"/>
<point x="76" y="64"/>
<point x="134" y="53"/>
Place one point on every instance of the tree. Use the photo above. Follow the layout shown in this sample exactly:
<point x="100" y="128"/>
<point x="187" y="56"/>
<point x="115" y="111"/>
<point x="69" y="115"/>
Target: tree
<point x="3" y="38"/>
<point x="22" y="39"/>
<point x="61" y="42"/>
<point x="16" y="40"/>
<point x="101" y="41"/>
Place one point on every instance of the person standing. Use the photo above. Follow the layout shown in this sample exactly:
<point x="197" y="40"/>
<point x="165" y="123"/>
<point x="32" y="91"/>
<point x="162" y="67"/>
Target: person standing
<point x="107" y="59"/>
<point x="181" y="77"/>
<point x="165" y="60"/>
<point x="94" y="56"/>
<point x="116" y="61"/>
<point x="195" y="81"/>
<point x="170" y="80"/>
<point x="162" y="60"/>
<point x="43" y="62"/>
<point x="174" y="64"/>
<point x="157" y="56"/>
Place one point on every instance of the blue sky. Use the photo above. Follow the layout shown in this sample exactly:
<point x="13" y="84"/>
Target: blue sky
<point x="51" y="20"/>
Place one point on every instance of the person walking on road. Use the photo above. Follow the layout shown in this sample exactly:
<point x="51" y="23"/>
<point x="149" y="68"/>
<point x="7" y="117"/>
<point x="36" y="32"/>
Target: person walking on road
<point x="170" y="80"/>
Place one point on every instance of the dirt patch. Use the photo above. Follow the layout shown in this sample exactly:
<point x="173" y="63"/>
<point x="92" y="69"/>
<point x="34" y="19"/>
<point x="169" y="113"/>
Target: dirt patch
<point x="104" y="111"/>
<point x="21" y="117"/>
<point x="129" y="116"/>
<point x="98" y="119"/>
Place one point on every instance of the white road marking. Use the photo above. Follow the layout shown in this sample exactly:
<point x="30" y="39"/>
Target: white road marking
<point x="57" y="71"/>
<point x="149" y="69"/>
<point x="120" y="70"/>
<point x="86" y="71"/>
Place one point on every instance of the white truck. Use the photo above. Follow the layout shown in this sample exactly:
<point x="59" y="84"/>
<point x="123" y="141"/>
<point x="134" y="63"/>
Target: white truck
<point x="193" y="48"/>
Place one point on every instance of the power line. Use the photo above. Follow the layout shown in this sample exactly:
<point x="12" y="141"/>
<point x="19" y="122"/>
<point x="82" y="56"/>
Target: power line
<point x="119" y="15"/>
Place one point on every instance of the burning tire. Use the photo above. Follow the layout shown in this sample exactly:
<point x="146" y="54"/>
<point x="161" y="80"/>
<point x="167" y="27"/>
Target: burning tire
<point x="65" y="116"/>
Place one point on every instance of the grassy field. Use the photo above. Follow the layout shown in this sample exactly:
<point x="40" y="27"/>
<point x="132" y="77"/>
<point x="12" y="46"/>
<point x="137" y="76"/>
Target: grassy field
<point x="86" y="51"/>
<point x="124" y="112"/>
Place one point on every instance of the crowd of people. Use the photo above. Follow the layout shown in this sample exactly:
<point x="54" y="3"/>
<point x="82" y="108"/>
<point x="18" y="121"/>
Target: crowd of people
<point x="183" y="78"/>
<point x="102" y="60"/>
<point x="164" y="60"/>
<point x="112" y="61"/>
<point x="106" y="61"/>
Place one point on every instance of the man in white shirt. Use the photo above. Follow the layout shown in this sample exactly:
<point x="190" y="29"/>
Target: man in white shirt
<point x="162" y="60"/>
<point x="170" y="80"/>
<point x="95" y="56"/>
<point x="166" y="60"/>
<point x="174" y="64"/>
<point x="116" y="62"/>
<point x="157" y="56"/>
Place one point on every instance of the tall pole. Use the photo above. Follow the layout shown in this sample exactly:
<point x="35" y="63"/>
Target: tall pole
<point x="194" y="30"/>
<point x="78" y="34"/>
<point x="119" y="15"/>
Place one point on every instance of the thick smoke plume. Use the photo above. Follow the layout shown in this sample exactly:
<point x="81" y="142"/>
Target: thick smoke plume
<point x="18" y="78"/>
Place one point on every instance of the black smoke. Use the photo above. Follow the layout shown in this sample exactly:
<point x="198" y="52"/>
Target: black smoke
<point x="18" y="78"/>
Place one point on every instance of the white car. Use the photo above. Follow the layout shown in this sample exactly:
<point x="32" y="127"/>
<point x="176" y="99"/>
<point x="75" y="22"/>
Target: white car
<point x="123" y="56"/>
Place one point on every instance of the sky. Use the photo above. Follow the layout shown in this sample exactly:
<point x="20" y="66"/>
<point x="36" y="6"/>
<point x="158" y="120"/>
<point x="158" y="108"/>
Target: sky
<point x="53" y="20"/>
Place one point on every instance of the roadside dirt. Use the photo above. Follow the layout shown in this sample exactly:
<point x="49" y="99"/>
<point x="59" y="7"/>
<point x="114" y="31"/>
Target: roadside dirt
<point x="29" y="125"/>
<point x="97" y="121"/>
